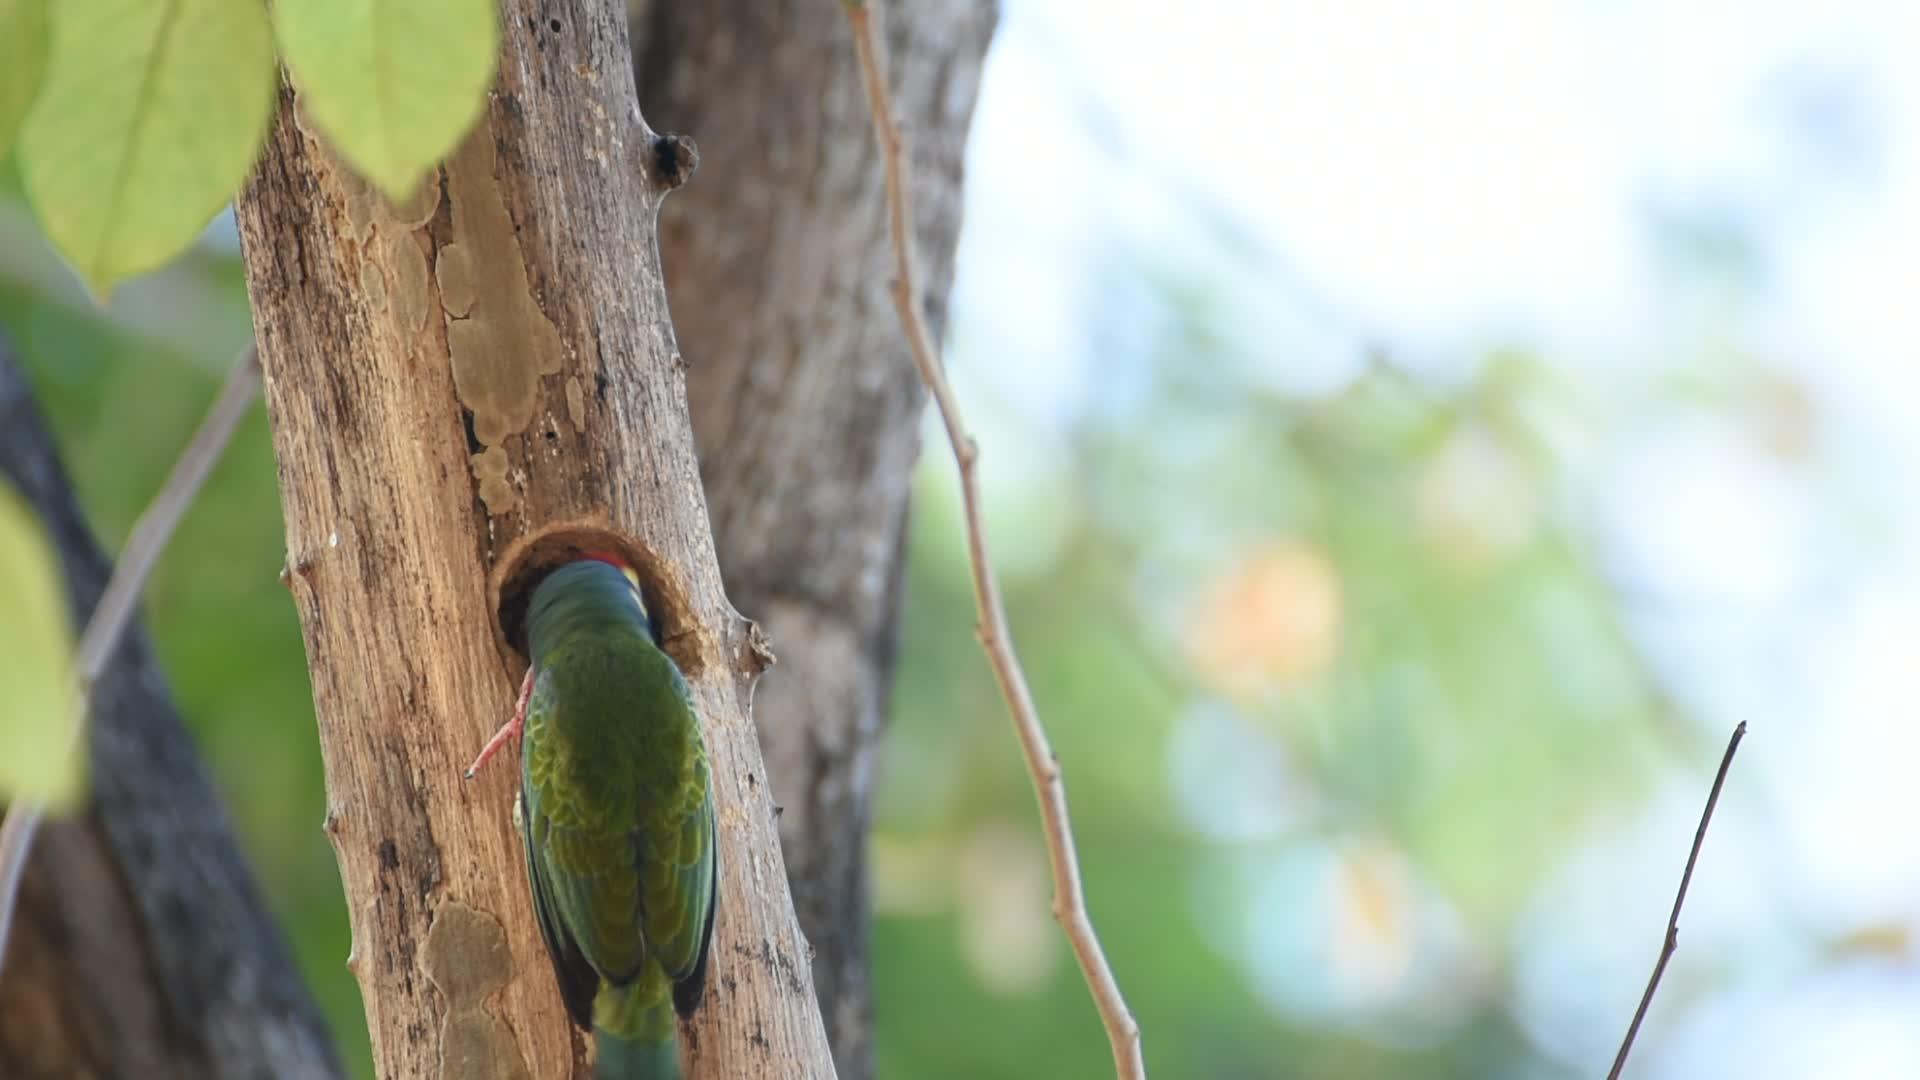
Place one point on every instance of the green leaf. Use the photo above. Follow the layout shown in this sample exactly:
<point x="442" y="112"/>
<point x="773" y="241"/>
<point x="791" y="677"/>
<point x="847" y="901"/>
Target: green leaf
<point x="151" y="116"/>
<point x="38" y="757"/>
<point x="394" y="84"/>
<point x="23" y="56"/>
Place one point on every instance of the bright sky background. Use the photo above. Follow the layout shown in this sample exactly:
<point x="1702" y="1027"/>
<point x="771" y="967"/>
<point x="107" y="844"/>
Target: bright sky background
<point x="1447" y="178"/>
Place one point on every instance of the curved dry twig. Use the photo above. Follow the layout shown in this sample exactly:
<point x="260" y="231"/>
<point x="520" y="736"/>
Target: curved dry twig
<point x="115" y="609"/>
<point x="1069" y="901"/>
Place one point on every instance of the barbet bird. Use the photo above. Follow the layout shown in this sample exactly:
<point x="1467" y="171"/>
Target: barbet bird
<point x="616" y="810"/>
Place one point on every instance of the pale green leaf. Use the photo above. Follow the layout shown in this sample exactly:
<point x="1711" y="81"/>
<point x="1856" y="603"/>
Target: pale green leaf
<point x="39" y="756"/>
<point x="23" y="56"/>
<point x="150" y="117"/>
<point x="394" y="84"/>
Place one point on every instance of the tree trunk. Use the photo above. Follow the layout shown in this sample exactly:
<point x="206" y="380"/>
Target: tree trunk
<point x="464" y="389"/>
<point x="142" y="947"/>
<point x="805" y="403"/>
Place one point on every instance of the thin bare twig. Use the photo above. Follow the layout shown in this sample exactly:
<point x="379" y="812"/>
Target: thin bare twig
<point x="1069" y="899"/>
<point x="1672" y="940"/>
<point x="117" y="602"/>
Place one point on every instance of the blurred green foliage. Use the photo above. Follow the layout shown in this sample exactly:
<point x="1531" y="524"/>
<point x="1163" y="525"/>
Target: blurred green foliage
<point x="40" y="756"/>
<point x="1341" y="639"/>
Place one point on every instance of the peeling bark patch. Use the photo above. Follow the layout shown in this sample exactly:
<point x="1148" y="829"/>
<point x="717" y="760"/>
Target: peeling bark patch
<point x="362" y="202"/>
<point x="467" y="958"/>
<point x="455" y="274"/>
<point x="467" y="954"/>
<point x="420" y="207"/>
<point x="500" y="340"/>
<point x="477" y="1046"/>
<point x="576" y="403"/>
<point x="408" y="294"/>
<point x="490" y="469"/>
<point x="373" y="285"/>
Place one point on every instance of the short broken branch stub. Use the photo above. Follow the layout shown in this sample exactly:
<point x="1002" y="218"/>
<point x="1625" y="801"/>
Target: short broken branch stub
<point x="671" y="160"/>
<point x="756" y="651"/>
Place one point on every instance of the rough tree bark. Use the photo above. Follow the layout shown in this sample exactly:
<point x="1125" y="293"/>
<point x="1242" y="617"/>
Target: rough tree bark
<point x="142" y="947"/>
<point x="805" y="404"/>
<point x="462" y="388"/>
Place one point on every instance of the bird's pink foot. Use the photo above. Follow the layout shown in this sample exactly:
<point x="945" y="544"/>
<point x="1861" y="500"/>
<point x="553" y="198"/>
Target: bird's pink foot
<point x="509" y="731"/>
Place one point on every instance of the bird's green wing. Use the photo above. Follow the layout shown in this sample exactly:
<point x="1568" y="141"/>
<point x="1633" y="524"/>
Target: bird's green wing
<point x="583" y="888"/>
<point x="578" y="981"/>
<point x="692" y="876"/>
<point x="678" y="860"/>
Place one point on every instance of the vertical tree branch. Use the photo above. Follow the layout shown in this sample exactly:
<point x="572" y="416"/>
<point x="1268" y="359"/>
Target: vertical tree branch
<point x="109" y="620"/>
<point x="1069" y="903"/>
<point x="142" y="947"/>
<point x="1671" y="941"/>
<point x="464" y="389"/>
<point x="805" y="408"/>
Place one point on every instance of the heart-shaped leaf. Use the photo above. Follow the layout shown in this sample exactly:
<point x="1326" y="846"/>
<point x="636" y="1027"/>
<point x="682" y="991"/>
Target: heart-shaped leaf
<point x="150" y="117"/>
<point x="394" y="84"/>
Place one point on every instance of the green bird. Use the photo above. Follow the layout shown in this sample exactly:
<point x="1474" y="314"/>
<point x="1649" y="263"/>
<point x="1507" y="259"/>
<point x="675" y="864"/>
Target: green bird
<point x="616" y="811"/>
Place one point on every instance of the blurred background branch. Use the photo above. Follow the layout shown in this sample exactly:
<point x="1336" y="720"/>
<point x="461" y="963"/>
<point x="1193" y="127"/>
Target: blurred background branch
<point x="142" y="946"/>
<point x="111" y="616"/>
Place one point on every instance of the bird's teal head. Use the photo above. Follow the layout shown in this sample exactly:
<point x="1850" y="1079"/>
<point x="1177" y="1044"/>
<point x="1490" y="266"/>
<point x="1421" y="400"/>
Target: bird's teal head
<point x="616" y="561"/>
<point x="598" y="585"/>
<point x="627" y="573"/>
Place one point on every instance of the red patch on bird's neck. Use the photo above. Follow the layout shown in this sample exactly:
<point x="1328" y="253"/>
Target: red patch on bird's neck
<point x="609" y="558"/>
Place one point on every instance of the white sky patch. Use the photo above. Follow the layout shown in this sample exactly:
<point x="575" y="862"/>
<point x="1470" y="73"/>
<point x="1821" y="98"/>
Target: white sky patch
<point x="1443" y="168"/>
<point x="1847" y="1025"/>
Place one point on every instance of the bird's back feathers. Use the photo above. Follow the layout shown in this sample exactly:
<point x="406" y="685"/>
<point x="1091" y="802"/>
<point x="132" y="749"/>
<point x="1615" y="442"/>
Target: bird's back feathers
<point x="618" y="814"/>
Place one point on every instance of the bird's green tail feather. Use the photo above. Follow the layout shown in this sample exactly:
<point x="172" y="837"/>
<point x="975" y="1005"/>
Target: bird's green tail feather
<point x="624" y="1060"/>
<point x="633" y="1032"/>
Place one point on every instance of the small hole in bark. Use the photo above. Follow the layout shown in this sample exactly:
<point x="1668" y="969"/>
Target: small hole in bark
<point x="529" y="560"/>
<point x="553" y="25"/>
